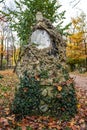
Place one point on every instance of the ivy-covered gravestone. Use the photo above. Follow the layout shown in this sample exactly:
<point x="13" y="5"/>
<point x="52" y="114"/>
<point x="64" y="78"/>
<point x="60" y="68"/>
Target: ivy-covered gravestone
<point x="45" y="86"/>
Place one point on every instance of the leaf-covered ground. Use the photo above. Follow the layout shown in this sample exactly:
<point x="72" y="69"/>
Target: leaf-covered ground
<point x="8" y="84"/>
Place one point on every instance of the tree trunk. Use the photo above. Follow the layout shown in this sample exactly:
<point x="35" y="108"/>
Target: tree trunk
<point x="86" y="55"/>
<point x="1" y="64"/>
<point x="86" y="60"/>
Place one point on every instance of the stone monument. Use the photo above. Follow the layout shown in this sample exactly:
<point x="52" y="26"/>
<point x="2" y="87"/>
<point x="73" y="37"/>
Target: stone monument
<point x="44" y="59"/>
<point x="45" y="45"/>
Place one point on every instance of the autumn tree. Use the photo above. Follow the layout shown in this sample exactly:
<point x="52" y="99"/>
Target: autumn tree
<point x="7" y="46"/>
<point x="76" y="47"/>
<point x="1" y="42"/>
<point x="1" y="51"/>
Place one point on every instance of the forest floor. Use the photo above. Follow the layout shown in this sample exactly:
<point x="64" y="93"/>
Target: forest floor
<point x="80" y="79"/>
<point x="9" y="82"/>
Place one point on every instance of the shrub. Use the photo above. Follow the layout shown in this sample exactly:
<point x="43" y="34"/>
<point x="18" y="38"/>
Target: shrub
<point x="76" y="63"/>
<point x="32" y="98"/>
<point x="27" y="98"/>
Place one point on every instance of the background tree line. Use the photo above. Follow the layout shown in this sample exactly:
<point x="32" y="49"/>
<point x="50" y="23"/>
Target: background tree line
<point x="21" y="19"/>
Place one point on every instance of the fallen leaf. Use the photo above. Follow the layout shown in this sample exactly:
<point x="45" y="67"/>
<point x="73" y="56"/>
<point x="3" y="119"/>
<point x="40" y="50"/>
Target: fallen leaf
<point x="59" y="88"/>
<point x="23" y="127"/>
<point x="78" y="106"/>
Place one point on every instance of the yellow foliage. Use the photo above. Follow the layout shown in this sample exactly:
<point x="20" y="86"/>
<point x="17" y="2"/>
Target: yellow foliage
<point x="76" y="48"/>
<point x="74" y="51"/>
<point x="77" y="37"/>
<point x="76" y="21"/>
<point x="78" y="106"/>
<point x="59" y="88"/>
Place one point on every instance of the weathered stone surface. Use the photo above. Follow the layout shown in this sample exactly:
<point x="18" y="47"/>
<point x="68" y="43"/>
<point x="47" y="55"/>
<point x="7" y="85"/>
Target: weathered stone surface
<point x="47" y="65"/>
<point x="34" y="61"/>
<point x="48" y="60"/>
<point x="53" y="53"/>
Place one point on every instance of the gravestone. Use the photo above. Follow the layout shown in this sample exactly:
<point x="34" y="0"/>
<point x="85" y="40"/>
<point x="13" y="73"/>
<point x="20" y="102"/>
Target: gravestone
<point x="44" y="42"/>
<point x="44" y="59"/>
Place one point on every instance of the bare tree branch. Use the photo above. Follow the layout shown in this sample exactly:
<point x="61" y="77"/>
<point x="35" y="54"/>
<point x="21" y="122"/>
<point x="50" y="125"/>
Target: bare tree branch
<point x="76" y="3"/>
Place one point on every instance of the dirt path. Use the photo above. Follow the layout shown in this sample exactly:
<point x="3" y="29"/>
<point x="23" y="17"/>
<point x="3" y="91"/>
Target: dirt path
<point x="80" y="81"/>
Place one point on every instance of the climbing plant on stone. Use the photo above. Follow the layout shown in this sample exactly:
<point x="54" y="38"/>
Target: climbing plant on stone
<point x="45" y="88"/>
<point x="35" y="96"/>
